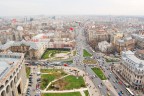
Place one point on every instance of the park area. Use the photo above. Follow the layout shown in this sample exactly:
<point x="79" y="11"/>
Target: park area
<point x="48" y="75"/>
<point x="68" y="83"/>
<point x="56" y="54"/>
<point x="86" y="53"/>
<point x="89" y="61"/>
<point x="99" y="73"/>
<point x="63" y="94"/>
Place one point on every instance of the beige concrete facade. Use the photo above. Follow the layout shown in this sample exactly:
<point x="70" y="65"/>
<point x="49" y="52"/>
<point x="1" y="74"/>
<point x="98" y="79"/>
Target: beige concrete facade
<point x="32" y="50"/>
<point x="14" y="80"/>
<point x="122" y="44"/>
<point x="132" y="69"/>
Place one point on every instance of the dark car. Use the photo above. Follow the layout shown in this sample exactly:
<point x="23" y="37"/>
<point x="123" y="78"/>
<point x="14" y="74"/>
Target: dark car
<point x="115" y="87"/>
<point x="121" y="92"/>
<point x="38" y="79"/>
<point x="29" y="84"/>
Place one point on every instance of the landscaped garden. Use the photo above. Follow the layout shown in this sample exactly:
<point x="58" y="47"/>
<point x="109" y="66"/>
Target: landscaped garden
<point x="86" y="53"/>
<point x="51" y="74"/>
<point x="68" y="83"/>
<point x="99" y="73"/>
<point x="27" y="71"/>
<point x="63" y="94"/>
<point x="111" y="60"/>
<point x="52" y="52"/>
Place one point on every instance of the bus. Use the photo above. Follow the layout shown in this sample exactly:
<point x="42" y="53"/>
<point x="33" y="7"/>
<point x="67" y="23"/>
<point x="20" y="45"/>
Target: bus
<point x="129" y="92"/>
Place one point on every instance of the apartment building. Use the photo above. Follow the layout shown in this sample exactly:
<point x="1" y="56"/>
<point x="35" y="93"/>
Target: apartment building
<point x="132" y="70"/>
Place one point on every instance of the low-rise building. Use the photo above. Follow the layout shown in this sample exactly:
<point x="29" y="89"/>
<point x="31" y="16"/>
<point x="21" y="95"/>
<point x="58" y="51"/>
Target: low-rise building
<point x="115" y="36"/>
<point x="12" y="74"/>
<point x="139" y="40"/>
<point x="132" y="70"/>
<point x="32" y="50"/>
<point x="127" y="43"/>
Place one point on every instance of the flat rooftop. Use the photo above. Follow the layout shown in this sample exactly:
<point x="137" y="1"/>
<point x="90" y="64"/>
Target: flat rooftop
<point x="8" y="61"/>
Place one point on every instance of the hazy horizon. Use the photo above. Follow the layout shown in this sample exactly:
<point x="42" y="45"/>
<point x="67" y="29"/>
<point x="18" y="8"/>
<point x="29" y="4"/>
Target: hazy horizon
<point x="73" y="7"/>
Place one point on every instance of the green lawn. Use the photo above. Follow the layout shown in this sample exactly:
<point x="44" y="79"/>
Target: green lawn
<point x="91" y="61"/>
<point x="111" y="60"/>
<point x="99" y="73"/>
<point x="27" y="71"/>
<point x="86" y="93"/>
<point x="74" y="82"/>
<point x="52" y="71"/>
<point x="86" y="53"/>
<point x="50" y="53"/>
<point x="69" y="82"/>
<point x="45" y="79"/>
<point x="63" y="94"/>
<point x="53" y="74"/>
<point x="69" y="62"/>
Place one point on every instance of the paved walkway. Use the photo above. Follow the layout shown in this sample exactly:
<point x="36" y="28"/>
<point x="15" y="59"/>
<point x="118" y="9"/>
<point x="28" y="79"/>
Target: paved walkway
<point x="64" y="91"/>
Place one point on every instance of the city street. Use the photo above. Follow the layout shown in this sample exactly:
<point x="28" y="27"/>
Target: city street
<point x="82" y="44"/>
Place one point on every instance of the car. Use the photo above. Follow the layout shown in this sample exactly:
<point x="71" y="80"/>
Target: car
<point x="38" y="79"/>
<point x="107" y="89"/>
<point x="121" y="92"/>
<point x="114" y="81"/>
<point x="28" y="89"/>
<point x="29" y="84"/>
<point x="115" y="87"/>
<point x="38" y="73"/>
<point x="99" y="86"/>
<point x="30" y="75"/>
<point x="102" y="84"/>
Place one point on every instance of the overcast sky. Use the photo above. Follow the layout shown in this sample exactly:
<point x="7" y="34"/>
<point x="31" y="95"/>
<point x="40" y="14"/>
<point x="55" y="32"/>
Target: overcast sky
<point x="71" y="7"/>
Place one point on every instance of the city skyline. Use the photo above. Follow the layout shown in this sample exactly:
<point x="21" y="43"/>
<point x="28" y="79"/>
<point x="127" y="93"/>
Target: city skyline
<point x="74" y="7"/>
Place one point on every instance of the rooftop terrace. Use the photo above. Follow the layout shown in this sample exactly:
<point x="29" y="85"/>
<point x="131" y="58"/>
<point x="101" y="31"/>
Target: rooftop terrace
<point x="7" y="62"/>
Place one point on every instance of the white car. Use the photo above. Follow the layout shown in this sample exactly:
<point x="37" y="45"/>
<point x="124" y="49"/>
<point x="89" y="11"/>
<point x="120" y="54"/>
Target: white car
<point x="38" y="73"/>
<point x="99" y="86"/>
